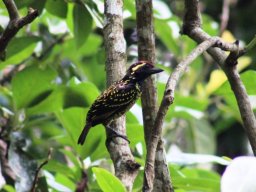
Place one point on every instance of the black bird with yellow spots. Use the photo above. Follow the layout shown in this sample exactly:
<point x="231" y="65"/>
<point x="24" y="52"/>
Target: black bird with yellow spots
<point x="118" y="98"/>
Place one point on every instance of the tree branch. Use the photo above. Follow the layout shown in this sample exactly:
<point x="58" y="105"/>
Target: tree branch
<point x="146" y="51"/>
<point x="14" y="25"/>
<point x="165" y="104"/>
<point x="126" y="169"/>
<point x="12" y="9"/>
<point x="49" y="156"/>
<point x="197" y="34"/>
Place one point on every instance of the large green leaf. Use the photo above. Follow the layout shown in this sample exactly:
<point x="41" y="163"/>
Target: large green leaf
<point x="164" y="33"/>
<point x="194" y="179"/>
<point x="197" y="184"/>
<point x="30" y="83"/>
<point x="24" y="3"/>
<point x="86" y="90"/>
<point x="135" y="134"/>
<point x="19" y="49"/>
<point x="249" y="80"/>
<point x="53" y="102"/>
<point x="57" y="167"/>
<point x="73" y="120"/>
<point x="39" y="5"/>
<point x="80" y="94"/>
<point x="201" y="137"/>
<point x="57" y="7"/>
<point x="107" y="181"/>
<point x="82" y="24"/>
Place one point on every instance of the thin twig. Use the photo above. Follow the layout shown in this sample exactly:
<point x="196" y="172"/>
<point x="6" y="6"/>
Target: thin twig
<point x="14" y="25"/>
<point x="33" y="188"/>
<point x="224" y="16"/>
<point x="251" y="44"/>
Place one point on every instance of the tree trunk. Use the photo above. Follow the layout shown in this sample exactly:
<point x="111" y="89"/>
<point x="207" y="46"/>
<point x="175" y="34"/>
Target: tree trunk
<point x="126" y="169"/>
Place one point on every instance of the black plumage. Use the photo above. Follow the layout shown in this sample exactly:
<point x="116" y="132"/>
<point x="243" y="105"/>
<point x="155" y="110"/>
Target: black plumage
<point x="118" y="98"/>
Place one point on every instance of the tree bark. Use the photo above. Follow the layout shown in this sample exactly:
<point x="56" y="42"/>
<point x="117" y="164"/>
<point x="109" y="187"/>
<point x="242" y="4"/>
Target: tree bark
<point x="146" y="51"/>
<point x="126" y="169"/>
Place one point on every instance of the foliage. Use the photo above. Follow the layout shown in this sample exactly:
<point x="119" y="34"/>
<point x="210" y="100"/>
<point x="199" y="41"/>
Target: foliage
<point x="57" y="69"/>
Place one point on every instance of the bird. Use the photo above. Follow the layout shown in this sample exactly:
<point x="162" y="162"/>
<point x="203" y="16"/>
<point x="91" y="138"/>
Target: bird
<point x="118" y="99"/>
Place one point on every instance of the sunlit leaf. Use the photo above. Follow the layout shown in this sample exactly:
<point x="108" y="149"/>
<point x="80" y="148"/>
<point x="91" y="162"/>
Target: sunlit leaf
<point x="217" y="78"/>
<point x="30" y="83"/>
<point x="19" y="49"/>
<point x="200" y="184"/>
<point x="57" y="167"/>
<point x="82" y="24"/>
<point x="73" y="120"/>
<point x="57" y="7"/>
<point x="107" y="181"/>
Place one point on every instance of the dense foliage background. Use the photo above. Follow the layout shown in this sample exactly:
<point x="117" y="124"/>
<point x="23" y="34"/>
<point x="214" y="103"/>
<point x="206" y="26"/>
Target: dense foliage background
<point x="54" y="69"/>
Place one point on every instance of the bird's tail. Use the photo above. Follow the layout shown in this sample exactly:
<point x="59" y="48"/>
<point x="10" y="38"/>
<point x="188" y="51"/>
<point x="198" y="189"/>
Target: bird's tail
<point x="83" y="135"/>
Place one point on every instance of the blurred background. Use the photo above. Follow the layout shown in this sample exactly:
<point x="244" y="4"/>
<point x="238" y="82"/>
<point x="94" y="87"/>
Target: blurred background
<point x="55" y="68"/>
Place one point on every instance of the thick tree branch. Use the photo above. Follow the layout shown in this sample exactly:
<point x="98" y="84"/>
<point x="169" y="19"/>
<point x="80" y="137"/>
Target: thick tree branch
<point x="146" y="51"/>
<point x="126" y="169"/>
<point x="196" y="33"/>
<point x="14" y="25"/>
<point x="12" y="9"/>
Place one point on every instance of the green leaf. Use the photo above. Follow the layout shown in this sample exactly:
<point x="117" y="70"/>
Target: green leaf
<point x="198" y="184"/>
<point x="81" y="94"/>
<point x="85" y="92"/>
<point x="57" y="167"/>
<point x="57" y="7"/>
<point x="64" y="180"/>
<point x="82" y="24"/>
<point x="73" y="120"/>
<point x="135" y="133"/>
<point x="107" y="181"/>
<point x="249" y="80"/>
<point x="54" y="102"/>
<point x="202" y="136"/>
<point x="200" y="173"/>
<point x="39" y="5"/>
<point x="131" y="118"/>
<point x="30" y="83"/>
<point x="24" y="3"/>
<point x="164" y="32"/>
<point x="19" y="49"/>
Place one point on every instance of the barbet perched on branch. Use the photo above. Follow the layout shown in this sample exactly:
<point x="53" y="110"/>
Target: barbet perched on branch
<point x="118" y="98"/>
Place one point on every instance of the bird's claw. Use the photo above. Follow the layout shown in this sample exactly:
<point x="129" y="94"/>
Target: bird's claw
<point x="112" y="134"/>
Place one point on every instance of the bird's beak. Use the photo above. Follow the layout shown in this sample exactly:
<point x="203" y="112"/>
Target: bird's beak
<point x="155" y="70"/>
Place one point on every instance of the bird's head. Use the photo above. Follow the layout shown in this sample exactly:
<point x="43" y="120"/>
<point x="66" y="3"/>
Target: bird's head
<point x="141" y="70"/>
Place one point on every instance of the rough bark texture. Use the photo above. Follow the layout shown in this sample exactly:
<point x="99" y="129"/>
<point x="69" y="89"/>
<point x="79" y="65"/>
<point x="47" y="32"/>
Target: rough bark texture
<point x="126" y="168"/>
<point x="192" y="28"/>
<point x="146" y="51"/>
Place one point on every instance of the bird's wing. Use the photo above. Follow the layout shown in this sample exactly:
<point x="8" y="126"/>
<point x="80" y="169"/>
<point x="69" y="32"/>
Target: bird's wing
<point x="113" y="99"/>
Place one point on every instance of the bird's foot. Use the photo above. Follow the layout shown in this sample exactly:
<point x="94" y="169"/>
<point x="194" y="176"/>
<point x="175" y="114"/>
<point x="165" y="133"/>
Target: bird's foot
<point x="112" y="134"/>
